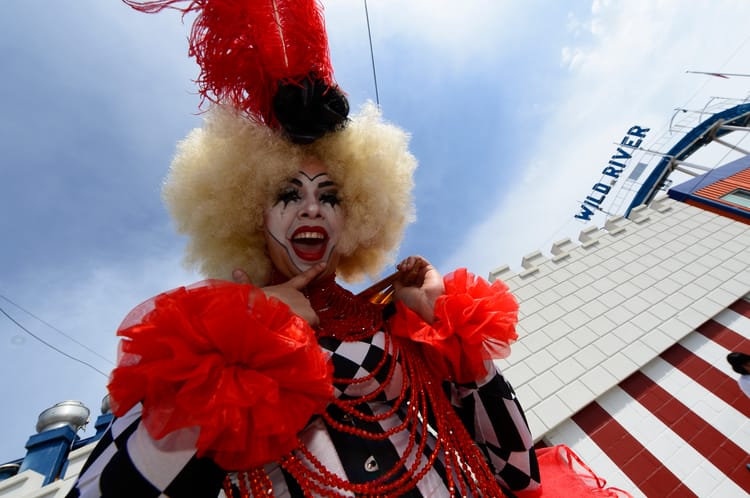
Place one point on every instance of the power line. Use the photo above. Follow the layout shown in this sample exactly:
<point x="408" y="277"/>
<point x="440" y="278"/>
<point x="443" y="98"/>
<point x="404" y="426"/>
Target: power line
<point x="54" y="348"/>
<point x="372" y="55"/>
<point x="84" y="346"/>
<point x="719" y="74"/>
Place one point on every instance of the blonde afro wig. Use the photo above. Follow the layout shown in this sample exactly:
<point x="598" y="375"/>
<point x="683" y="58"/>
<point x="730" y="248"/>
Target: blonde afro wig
<point x="227" y="173"/>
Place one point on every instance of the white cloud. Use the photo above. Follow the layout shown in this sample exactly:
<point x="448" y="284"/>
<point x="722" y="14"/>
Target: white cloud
<point x="630" y="72"/>
<point x="88" y="308"/>
<point x="451" y="31"/>
<point x="571" y="58"/>
<point x="598" y="5"/>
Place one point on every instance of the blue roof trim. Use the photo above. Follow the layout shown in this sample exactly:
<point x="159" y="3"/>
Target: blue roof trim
<point x="695" y="139"/>
<point x="688" y="187"/>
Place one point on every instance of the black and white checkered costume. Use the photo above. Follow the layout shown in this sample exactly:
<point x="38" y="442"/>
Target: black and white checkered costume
<point x="127" y="462"/>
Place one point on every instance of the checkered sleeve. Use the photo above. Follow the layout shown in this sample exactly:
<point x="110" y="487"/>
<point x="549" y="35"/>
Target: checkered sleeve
<point x="127" y="462"/>
<point x="495" y="420"/>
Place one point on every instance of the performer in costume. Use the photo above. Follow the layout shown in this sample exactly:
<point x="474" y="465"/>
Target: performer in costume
<point x="283" y="383"/>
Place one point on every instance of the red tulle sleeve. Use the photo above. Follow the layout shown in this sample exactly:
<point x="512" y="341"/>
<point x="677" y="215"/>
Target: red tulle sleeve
<point x="565" y="475"/>
<point x="225" y="358"/>
<point x="474" y="321"/>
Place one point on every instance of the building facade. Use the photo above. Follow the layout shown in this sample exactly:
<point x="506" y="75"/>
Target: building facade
<point x="623" y="347"/>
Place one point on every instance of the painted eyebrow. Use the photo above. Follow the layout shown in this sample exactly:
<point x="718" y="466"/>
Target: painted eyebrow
<point x="323" y="184"/>
<point x="313" y="177"/>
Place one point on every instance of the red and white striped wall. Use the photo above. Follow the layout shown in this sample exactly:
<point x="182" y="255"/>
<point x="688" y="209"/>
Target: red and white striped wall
<point x="680" y="426"/>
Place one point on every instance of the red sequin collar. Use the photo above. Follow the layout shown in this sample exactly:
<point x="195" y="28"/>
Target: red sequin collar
<point x="342" y="314"/>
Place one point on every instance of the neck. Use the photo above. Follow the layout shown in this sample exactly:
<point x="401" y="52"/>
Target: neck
<point x="326" y="283"/>
<point x="278" y="278"/>
<point x="342" y="315"/>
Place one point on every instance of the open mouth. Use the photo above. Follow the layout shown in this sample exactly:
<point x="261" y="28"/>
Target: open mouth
<point x="310" y="243"/>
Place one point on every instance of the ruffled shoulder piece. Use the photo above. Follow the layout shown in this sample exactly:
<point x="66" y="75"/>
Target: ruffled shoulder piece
<point x="222" y="356"/>
<point x="564" y="475"/>
<point x="474" y="321"/>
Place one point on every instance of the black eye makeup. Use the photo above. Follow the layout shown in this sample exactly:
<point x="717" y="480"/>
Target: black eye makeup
<point x="293" y="192"/>
<point x="330" y="197"/>
<point x="288" y="195"/>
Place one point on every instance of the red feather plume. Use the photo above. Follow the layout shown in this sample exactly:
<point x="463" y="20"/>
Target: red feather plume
<point x="246" y="48"/>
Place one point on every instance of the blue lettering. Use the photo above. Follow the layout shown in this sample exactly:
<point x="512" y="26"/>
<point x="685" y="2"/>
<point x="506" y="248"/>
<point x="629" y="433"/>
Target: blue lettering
<point x="613" y="172"/>
<point x="623" y="154"/>
<point x="637" y="131"/>
<point x="631" y="143"/>
<point x="585" y="213"/>
<point x="602" y="189"/>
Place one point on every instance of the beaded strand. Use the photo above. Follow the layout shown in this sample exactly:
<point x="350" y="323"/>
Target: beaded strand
<point x="345" y="317"/>
<point x="421" y="402"/>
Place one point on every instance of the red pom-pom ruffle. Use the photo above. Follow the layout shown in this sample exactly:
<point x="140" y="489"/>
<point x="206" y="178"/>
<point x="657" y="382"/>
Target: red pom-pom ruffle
<point x="474" y="321"/>
<point x="227" y="359"/>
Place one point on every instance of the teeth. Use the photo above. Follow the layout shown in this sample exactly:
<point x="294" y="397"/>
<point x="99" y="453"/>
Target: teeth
<point x="309" y="235"/>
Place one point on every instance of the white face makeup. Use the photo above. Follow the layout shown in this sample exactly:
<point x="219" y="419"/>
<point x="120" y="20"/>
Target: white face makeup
<point x="304" y="224"/>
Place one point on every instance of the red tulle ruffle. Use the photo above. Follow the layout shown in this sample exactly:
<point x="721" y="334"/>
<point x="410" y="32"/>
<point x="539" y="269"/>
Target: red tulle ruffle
<point x="225" y="358"/>
<point x="474" y="321"/>
<point x="565" y="475"/>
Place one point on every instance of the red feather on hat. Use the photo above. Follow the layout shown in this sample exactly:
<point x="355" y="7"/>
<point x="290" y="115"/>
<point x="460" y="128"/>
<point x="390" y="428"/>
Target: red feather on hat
<point x="247" y="49"/>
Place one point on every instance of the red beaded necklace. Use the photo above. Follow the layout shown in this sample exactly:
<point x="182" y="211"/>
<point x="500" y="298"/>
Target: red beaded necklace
<point x="342" y="315"/>
<point x="348" y="317"/>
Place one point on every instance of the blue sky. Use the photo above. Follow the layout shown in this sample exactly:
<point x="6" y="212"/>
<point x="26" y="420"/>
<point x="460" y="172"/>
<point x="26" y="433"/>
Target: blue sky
<point x="513" y="108"/>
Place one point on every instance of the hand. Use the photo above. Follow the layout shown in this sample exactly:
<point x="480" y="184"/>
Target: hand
<point x="289" y="292"/>
<point x="419" y="286"/>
